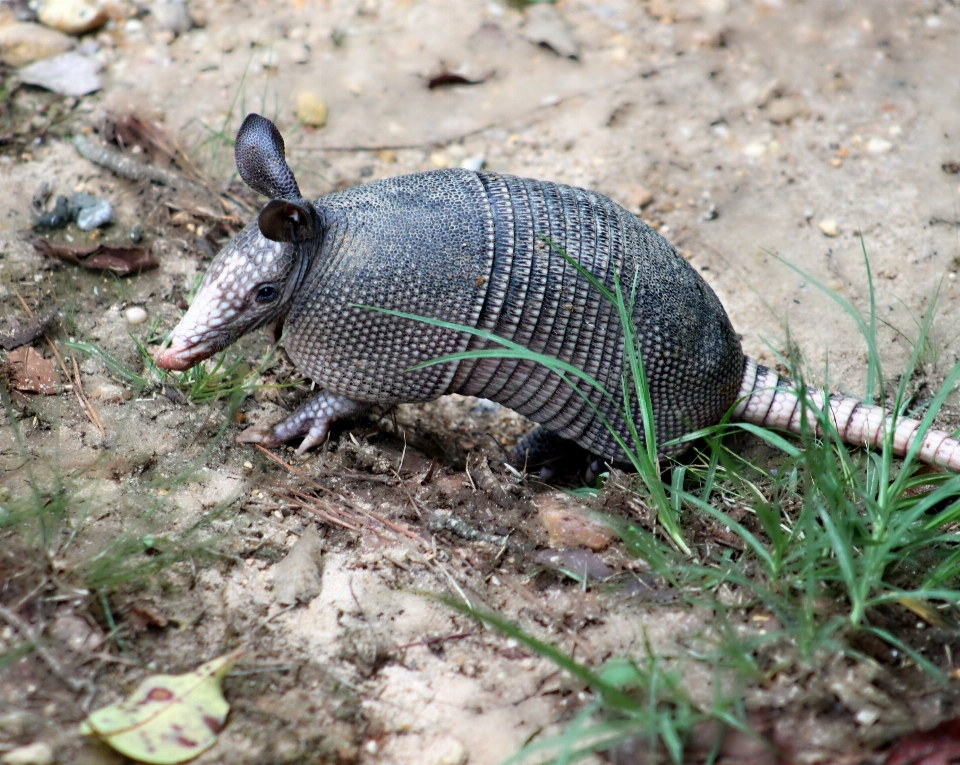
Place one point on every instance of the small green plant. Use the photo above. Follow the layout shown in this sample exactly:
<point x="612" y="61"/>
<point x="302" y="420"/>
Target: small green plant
<point x="46" y="550"/>
<point x="220" y="378"/>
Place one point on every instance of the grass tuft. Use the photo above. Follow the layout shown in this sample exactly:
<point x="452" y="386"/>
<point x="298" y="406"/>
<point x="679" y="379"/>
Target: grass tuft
<point x="834" y="544"/>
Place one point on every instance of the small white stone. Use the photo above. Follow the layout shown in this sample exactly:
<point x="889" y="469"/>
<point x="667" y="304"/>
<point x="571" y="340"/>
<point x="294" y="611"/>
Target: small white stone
<point x="755" y="149"/>
<point x="171" y="16"/>
<point x="135" y="315"/>
<point x="473" y="163"/>
<point x="829" y="227"/>
<point x="110" y="393"/>
<point x="879" y="146"/>
<point x="37" y="753"/>
<point x="449" y="752"/>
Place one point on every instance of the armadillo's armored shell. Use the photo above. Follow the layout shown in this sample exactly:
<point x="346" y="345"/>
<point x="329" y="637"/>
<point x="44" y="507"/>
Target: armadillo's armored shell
<point x="472" y="248"/>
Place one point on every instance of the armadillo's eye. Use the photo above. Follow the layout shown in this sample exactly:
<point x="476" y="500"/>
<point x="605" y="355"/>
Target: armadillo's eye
<point x="267" y="293"/>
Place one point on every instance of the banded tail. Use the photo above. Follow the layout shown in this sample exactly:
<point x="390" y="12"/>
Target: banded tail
<point x="768" y="400"/>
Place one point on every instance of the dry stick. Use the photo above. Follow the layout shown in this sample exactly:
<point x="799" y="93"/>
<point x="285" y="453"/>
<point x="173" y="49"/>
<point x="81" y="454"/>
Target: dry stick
<point x="33" y="636"/>
<point x="326" y="516"/>
<point x="78" y="389"/>
<point x="125" y="167"/>
<point x="77" y="386"/>
<point x="398" y="528"/>
<point x="324" y="471"/>
<point x="304" y="500"/>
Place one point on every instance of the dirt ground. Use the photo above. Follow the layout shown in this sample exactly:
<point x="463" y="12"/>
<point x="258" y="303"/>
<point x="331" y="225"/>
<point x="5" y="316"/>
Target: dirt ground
<point x="740" y="129"/>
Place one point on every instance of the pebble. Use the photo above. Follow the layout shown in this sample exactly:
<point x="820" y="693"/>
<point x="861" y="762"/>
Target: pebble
<point x="636" y="197"/>
<point x="878" y="146"/>
<point x="829" y="227"/>
<point x="37" y="753"/>
<point x="136" y="234"/>
<point x="110" y="393"/>
<point x="450" y="752"/>
<point x="311" y="109"/>
<point x="782" y="110"/>
<point x="22" y="43"/>
<point x="12" y="724"/>
<point x="474" y="164"/>
<point x="56" y="218"/>
<point x="135" y="315"/>
<point x="171" y="16"/>
<point x="755" y="149"/>
<point x="297" y="52"/>
<point x="95" y="215"/>
<point x="75" y="17"/>
<point x="69" y="74"/>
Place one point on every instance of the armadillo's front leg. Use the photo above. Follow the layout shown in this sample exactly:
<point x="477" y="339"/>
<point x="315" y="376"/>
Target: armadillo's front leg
<point x="311" y="420"/>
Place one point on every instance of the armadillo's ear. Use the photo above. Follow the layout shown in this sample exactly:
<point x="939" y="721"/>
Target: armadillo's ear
<point x="285" y="221"/>
<point x="260" y="159"/>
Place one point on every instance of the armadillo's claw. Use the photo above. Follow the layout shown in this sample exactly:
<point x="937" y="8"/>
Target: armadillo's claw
<point x="258" y="434"/>
<point x="312" y="420"/>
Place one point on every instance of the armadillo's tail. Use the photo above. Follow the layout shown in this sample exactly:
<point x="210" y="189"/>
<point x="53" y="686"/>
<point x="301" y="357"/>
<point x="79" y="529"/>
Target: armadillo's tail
<point x="772" y="401"/>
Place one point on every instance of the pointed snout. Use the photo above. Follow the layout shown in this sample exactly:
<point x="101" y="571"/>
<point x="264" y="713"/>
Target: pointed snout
<point x="175" y="358"/>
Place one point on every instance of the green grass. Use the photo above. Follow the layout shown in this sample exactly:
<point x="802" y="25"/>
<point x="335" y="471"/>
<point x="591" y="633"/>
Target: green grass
<point x="831" y="537"/>
<point x="47" y="550"/>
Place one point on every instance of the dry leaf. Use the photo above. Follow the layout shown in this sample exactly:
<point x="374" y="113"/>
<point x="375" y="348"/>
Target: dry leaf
<point x="297" y="577"/>
<point x="940" y="746"/>
<point x="571" y="525"/>
<point x="169" y="718"/>
<point x="121" y="259"/>
<point x="29" y="372"/>
<point x="578" y="563"/>
<point x="16" y="334"/>
<point x="446" y="77"/>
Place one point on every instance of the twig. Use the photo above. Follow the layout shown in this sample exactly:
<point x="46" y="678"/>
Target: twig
<point x="128" y="168"/>
<point x="78" y="389"/>
<point x="33" y="637"/>
<point x="435" y="640"/>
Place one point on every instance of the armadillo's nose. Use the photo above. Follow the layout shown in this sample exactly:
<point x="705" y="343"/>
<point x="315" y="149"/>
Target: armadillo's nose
<point x="174" y="358"/>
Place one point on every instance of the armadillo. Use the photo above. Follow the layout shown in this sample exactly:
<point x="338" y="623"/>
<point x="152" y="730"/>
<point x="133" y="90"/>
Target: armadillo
<point x="480" y="250"/>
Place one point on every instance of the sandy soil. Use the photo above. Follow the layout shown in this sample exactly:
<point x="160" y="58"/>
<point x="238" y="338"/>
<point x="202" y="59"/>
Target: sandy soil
<point x="749" y="123"/>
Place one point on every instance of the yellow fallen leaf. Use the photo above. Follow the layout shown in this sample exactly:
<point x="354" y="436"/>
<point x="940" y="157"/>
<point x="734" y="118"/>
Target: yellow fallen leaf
<point x="169" y="718"/>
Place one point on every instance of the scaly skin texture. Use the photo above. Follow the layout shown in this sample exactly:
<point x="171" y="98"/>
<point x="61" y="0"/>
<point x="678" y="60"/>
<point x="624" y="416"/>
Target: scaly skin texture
<point x="481" y="250"/>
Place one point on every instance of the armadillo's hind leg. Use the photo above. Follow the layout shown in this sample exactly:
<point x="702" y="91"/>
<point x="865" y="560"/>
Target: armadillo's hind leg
<point x="544" y="452"/>
<point x="312" y="420"/>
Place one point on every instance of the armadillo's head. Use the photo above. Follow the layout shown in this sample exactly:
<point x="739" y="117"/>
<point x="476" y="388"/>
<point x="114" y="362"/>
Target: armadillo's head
<point x="253" y="278"/>
<point x="249" y="284"/>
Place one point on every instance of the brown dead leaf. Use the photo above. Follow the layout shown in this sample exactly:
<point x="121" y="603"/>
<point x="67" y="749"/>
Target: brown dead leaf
<point x="15" y="334"/>
<point x="29" y="372"/>
<point x="141" y="615"/>
<point x="446" y="77"/>
<point x="940" y="746"/>
<point x="571" y="525"/>
<point x="297" y="577"/>
<point x="120" y="259"/>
